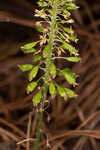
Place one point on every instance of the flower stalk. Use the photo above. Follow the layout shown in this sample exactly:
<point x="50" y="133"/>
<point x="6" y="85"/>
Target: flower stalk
<point x="48" y="63"/>
<point x="55" y="40"/>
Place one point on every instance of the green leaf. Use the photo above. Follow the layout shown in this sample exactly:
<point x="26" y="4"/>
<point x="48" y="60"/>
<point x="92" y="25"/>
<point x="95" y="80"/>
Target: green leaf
<point x="61" y="91"/>
<point x="72" y="6"/>
<point x="33" y="73"/>
<point x="37" y="98"/>
<point x="27" y="51"/>
<point x="70" y="48"/>
<point x="25" y="67"/>
<point x="42" y="4"/>
<point x="68" y="30"/>
<point x="37" y="58"/>
<point x="53" y="70"/>
<point x="69" y="76"/>
<point x="66" y="14"/>
<point x="73" y="38"/>
<point x="73" y="59"/>
<point x="61" y="36"/>
<point x="52" y="89"/>
<point x="46" y="51"/>
<point x="30" y="45"/>
<point x="70" y="93"/>
<point x="40" y="28"/>
<point x="31" y="86"/>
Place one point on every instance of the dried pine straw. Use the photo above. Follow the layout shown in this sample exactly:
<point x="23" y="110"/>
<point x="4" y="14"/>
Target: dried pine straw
<point x="70" y="125"/>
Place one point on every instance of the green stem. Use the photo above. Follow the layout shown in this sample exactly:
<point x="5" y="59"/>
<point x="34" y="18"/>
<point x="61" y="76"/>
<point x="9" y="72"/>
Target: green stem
<point x="48" y="63"/>
<point x="38" y="131"/>
<point x="40" y="119"/>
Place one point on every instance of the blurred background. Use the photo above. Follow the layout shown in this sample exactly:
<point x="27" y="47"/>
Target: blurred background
<point x="71" y="125"/>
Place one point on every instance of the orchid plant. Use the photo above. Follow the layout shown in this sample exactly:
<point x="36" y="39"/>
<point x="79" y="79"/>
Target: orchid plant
<point x="55" y="41"/>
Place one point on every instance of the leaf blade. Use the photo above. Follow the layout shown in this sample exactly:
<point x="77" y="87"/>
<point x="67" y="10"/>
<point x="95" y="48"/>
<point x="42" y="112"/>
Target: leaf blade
<point x="69" y="76"/>
<point x="33" y="73"/>
<point x="37" y="98"/>
<point x="73" y="59"/>
<point x="70" y="48"/>
<point x="53" y="70"/>
<point x="28" y="51"/>
<point x="70" y="93"/>
<point x="61" y="91"/>
<point x="31" y="87"/>
<point x="46" y="51"/>
<point x="25" y="67"/>
<point x="29" y="45"/>
<point x="52" y="89"/>
<point x="37" y="58"/>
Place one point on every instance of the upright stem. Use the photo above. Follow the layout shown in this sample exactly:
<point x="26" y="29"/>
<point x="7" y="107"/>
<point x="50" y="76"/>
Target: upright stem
<point x="48" y="63"/>
<point x="40" y="119"/>
<point x="38" y="131"/>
